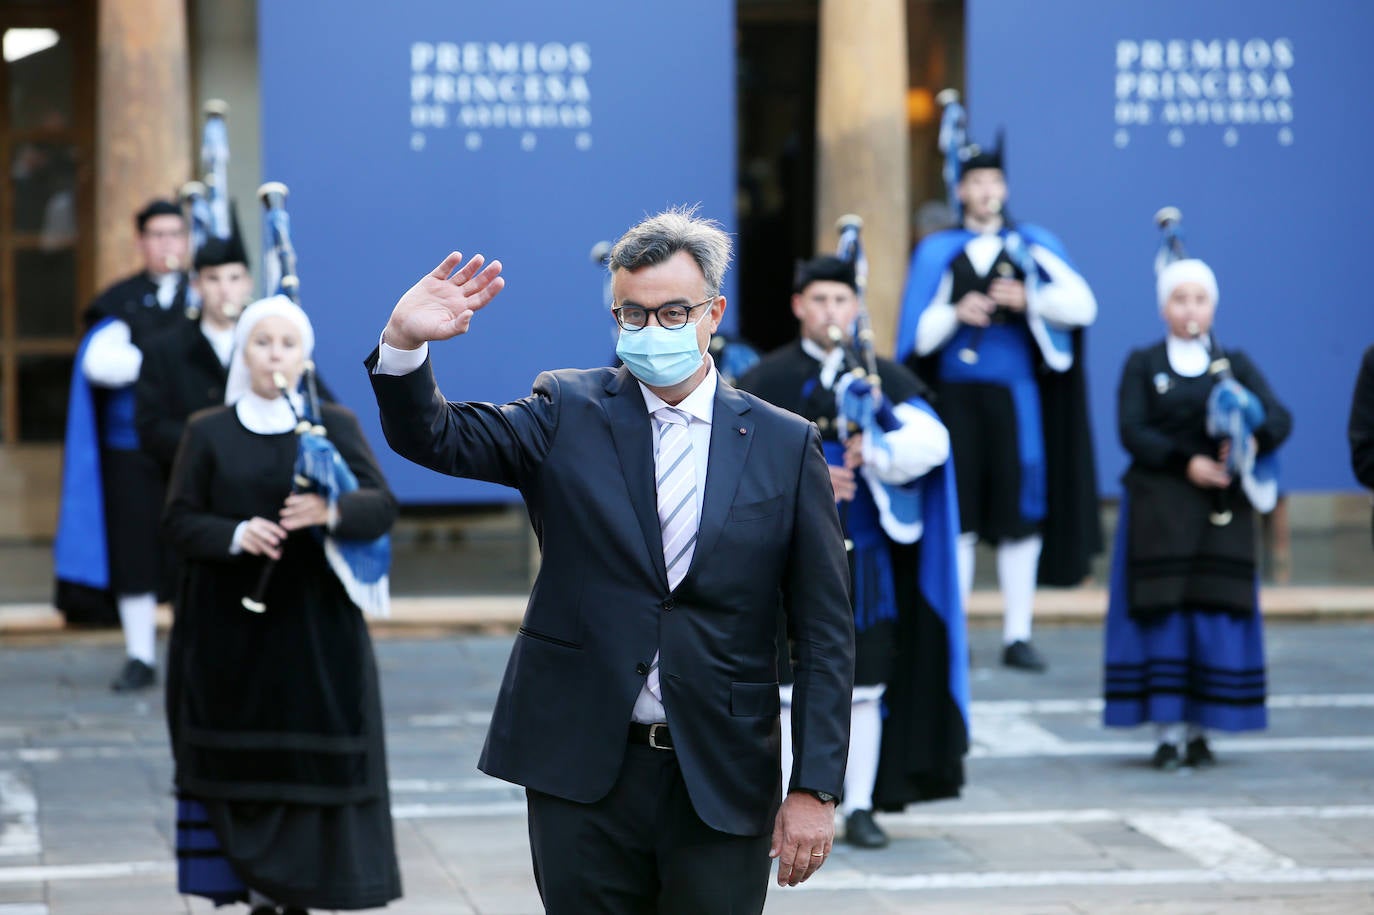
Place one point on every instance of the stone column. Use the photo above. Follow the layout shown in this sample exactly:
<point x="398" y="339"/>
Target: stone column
<point x="143" y="127"/>
<point x="861" y="144"/>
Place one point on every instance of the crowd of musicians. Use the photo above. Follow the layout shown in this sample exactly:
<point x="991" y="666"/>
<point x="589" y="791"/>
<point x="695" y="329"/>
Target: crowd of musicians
<point x="749" y="615"/>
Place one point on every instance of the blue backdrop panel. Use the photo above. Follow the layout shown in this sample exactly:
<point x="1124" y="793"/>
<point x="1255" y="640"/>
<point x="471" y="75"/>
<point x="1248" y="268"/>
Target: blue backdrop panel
<point x="1239" y="112"/>
<point x="527" y="130"/>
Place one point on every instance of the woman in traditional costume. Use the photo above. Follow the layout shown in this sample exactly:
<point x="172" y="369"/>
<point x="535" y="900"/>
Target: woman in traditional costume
<point x="1184" y="635"/>
<point x="273" y="701"/>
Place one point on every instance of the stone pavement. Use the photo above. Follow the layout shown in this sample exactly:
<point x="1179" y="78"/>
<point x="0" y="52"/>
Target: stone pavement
<point x="502" y="612"/>
<point x="1059" y="815"/>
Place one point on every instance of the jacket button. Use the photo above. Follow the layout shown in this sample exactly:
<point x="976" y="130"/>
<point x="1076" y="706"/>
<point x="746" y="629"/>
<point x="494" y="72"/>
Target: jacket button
<point x="641" y="668"/>
<point x="668" y="604"/>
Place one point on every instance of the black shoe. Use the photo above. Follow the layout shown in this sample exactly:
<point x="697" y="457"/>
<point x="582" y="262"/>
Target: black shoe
<point x="264" y="910"/>
<point x="862" y="831"/>
<point x="1198" y="754"/>
<point x="135" y="676"/>
<point x="1023" y="656"/>
<point x="1165" y="758"/>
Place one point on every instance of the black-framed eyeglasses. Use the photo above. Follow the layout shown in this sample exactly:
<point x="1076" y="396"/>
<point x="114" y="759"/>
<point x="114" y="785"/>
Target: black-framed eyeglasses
<point x="670" y="317"/>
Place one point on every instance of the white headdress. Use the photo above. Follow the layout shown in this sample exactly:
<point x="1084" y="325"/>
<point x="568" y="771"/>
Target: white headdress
<point x="272" y="306"/>
<point x="1188" y="270"/>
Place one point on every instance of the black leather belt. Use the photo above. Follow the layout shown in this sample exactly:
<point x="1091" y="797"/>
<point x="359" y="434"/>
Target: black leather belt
<point x="652" y="735"/>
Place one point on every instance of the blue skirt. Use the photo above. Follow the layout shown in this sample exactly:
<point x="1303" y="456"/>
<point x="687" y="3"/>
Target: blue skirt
<point x="1199" y="667"/>
<point x="202" y="868"/>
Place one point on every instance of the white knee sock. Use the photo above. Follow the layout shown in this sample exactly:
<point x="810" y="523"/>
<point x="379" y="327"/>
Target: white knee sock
<point x="138" y="618"/>
<point x="1196" y="732"/>
<point x="1169" y="733"/>
<point x="786" y="696"/>
<point x="865" y="739"/>
<point x="964" y="558"/>
<point x="1018" y="561"/>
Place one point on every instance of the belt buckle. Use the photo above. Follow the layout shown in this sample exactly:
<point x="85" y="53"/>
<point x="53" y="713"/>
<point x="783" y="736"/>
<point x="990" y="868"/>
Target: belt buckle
<point x="653" y="735"/>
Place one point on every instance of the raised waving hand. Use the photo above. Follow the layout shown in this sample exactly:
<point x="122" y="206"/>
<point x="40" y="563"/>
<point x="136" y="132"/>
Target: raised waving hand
<point x="442" y="303"/>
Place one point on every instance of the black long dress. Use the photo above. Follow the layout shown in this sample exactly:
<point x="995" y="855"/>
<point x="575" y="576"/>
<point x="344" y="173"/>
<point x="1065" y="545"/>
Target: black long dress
<point x="275" y="718"/>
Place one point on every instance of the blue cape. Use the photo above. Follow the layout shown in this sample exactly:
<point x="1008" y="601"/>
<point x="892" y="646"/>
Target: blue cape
<point x="937" y="575"/>
<point x="80" y="552"/>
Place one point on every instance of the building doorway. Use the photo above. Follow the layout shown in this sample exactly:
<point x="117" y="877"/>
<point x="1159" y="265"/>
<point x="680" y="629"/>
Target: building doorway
<point x="46" y="245"/>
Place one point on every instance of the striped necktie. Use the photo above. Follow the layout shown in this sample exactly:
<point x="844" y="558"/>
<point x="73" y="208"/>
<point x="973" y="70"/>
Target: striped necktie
<point x="677" y="503"/>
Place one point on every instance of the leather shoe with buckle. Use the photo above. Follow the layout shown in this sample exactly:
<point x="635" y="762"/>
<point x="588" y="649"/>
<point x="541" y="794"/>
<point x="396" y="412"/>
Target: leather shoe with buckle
<point x="862" y="831"/>
<point x="134" y="676"/>
<point x="1023" y="656"/>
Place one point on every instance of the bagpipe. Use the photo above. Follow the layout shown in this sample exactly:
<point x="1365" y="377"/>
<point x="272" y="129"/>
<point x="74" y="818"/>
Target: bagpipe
<point x="955" y="148"/>
<point x="952" y="141"/>
<point x="732" y="357"/>
<point x="209" y="213"/>
<point x="1233" y="411"/>
<point x="362" y="566"/>
<point x="860" y="405"/>
<point x="208" y="199"/>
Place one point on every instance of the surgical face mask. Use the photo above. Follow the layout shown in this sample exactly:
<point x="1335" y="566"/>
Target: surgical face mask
<point x="660" y="357"/>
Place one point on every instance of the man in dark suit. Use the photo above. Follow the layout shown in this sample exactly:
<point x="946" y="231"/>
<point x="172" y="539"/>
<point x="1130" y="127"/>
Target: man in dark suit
<point x="185" y="367"/>
<point x="640" y="704"/>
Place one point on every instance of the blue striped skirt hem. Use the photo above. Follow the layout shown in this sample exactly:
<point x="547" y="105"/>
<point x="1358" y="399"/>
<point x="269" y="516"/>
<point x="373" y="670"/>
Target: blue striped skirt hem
<point x="202" y="868"/>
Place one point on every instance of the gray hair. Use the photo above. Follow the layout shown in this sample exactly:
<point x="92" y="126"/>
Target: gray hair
<point x="659" y="237"/>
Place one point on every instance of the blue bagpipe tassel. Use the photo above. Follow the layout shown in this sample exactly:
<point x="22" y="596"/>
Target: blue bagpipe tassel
<point x="362" y="566"/>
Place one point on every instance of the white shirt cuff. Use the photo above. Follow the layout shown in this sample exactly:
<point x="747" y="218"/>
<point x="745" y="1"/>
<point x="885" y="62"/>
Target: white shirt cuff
<point x="919" y="446"/>
<point x="393" y="361"/>
<point x="236" y="544"/>
<point x="112" y="360"/>
<point x="1066" y="299"/>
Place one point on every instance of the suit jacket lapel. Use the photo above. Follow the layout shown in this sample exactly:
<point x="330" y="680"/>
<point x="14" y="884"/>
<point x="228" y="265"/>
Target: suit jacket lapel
<point x="732" y="433"/>
<point x="631" y="432"/>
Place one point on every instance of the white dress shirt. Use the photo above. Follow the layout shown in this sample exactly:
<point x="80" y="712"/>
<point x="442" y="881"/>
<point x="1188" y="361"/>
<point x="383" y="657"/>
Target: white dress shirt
<point x="221" y="341"/>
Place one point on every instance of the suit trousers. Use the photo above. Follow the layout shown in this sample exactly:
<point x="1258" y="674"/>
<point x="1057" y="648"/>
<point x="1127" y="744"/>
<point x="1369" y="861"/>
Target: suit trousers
<point x="642" y="849"/>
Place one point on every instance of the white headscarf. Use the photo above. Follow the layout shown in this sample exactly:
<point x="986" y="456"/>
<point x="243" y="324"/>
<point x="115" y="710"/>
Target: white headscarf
<point x="239" y="382"/>
<point x="1188" y="270"/>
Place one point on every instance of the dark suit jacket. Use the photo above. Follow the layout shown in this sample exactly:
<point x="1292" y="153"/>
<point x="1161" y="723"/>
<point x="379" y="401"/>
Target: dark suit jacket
<point x="180" y="375"/>
<point x="579" y="449"/>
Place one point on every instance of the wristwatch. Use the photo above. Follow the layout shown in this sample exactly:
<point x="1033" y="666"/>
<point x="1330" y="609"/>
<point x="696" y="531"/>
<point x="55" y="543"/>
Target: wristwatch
<point x="825" y="797"/>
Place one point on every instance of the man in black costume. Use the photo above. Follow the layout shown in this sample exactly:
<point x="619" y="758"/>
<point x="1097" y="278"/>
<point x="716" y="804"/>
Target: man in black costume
<point x="108" y="544"/>
<point x="185" y="368"/>
<point x="908" y="724"/>
<point x="993" y="316"/>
